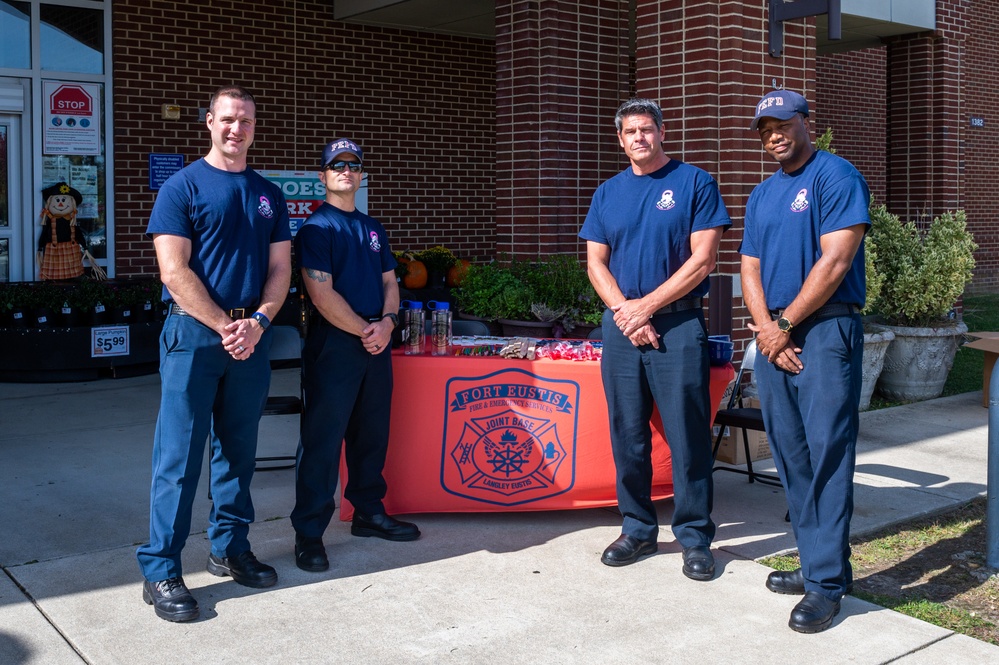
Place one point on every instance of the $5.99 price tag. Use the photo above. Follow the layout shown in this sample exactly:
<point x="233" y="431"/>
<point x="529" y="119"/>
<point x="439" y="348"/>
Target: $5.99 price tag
<point x="108" y="341"/>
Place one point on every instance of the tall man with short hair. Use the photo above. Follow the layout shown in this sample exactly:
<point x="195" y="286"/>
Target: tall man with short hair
<point x="803" y="282"/>
<point x="652" y="235"/>
<point x="223" y="245"/>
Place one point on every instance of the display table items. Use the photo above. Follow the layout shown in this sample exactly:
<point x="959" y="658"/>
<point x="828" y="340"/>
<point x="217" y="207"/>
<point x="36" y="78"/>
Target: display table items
<point x="477" y="433"/>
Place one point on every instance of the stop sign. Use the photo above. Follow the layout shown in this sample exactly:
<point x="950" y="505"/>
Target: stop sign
<point x="71" y="99"/>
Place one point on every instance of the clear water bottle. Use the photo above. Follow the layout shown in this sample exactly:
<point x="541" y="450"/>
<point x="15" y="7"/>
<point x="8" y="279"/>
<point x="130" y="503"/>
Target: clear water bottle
<point x="412" y="327"/>
<point x="440" y="328"/>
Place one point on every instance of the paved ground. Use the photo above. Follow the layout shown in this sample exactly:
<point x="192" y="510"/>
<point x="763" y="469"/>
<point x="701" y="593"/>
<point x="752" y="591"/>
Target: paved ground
<point x="512" y="588"/>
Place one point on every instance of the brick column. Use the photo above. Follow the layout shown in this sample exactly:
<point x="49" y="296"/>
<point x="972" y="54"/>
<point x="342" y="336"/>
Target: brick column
<point x="926" y="121"/>
<point x="562" y="69"/>
<point x="707" y="63"/>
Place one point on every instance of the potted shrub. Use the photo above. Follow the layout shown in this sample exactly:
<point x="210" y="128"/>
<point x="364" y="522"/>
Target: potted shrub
<point x="480" y="291"/>
<point x="438" y="260"/>
<point x="924" y="270"/>
<point x="535" y="298"/>
<point x="876" y="337"/>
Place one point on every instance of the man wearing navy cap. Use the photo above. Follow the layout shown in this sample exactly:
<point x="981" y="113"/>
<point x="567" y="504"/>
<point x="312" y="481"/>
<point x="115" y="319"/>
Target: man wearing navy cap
<point x="349" y="275"/>
<point x="803" y="282"/>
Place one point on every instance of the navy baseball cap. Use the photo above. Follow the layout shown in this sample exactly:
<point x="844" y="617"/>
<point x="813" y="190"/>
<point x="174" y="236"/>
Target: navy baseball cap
<point x="780" y="104"/>
<point x="338" y="147"/>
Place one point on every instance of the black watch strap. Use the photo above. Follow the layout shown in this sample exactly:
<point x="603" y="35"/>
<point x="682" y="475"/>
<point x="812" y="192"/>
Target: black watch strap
<point x="394" y="317"/>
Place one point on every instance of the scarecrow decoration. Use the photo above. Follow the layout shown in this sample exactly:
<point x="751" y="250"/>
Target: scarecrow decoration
<point x="62" y="245"/>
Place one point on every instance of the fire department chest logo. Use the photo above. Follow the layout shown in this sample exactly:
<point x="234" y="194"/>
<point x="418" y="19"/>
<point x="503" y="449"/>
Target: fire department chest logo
<point x="509" y="437"/>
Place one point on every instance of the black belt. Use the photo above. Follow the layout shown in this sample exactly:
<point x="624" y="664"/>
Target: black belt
<point x="237" y="313"/>
<point x="824" y="312"/>
<point x="680" y="306"/>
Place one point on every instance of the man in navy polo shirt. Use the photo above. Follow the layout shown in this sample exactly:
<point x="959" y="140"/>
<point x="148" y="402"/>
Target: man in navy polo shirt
<point x="223" y="245"/>
<point x="803" y="282"/>
<point x="652" y="237"/>
<point x="349" y="275"/>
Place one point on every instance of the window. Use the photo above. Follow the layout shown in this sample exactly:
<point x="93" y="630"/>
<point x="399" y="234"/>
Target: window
<point x="72" y="39"/>
<point x="15" y="35"/>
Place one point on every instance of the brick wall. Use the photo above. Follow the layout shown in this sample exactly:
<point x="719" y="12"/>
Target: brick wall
<point x="421" y="106"/>
<point x="857" y="120"/>
<point x="562" y="69"/>
<point x="981" y="144"/>
<point x="707" y="63"/>
<point x="497" y="147"/>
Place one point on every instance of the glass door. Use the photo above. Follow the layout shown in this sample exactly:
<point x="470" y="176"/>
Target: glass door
<point x="10" y="199"/>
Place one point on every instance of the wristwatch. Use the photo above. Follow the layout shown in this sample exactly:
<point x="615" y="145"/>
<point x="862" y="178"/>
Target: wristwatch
<point x="262" y="319"/>
<point x="784" y="324"/>
<point x="394" y="317"/>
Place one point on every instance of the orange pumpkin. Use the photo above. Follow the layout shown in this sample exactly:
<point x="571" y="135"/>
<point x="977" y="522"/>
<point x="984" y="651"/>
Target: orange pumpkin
<point x="456" y="274"/>
<point x="416" y="275"/>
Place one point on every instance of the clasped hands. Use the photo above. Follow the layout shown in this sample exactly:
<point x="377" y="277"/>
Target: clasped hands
<point x="377" y="336"/>
<point x="634" y="319"/>
<point x="243" y="337"/>
<point x="778" y="347"/>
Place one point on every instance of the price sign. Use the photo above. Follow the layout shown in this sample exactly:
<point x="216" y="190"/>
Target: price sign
<point x="108" y="341"/>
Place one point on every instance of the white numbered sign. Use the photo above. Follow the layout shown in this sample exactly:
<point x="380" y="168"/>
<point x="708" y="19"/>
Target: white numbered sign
<point x="108" y="341"/>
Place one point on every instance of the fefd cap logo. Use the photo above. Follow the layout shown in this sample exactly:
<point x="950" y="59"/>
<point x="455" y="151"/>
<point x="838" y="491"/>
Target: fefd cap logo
<point x="509" y="437"/>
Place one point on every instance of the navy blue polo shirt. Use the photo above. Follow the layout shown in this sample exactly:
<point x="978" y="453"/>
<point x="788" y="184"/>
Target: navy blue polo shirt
<point x="353" y="248"/>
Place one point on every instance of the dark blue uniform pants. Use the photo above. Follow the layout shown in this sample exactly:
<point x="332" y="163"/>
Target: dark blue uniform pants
<point x="675" y="377"/>
<point x="204" y="391"/>
<point x="348" y="398"/>
<point x="812" y="422"/>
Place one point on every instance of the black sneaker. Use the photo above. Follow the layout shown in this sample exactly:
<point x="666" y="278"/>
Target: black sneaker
<point x="244" y="569"/>
<point x="170" y="599"/>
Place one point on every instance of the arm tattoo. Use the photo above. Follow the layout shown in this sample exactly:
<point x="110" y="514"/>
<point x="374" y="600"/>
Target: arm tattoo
<point x="317" y="275"/>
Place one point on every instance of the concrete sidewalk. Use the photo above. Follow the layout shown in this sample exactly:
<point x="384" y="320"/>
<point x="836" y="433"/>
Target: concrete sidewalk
<point x="476" y="588"/>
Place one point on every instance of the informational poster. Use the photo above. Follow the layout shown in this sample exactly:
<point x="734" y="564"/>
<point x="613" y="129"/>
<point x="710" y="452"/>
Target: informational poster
<point x="162" y="166"/>
<point x="72" y="118"/>
<point x="304" y="192"/>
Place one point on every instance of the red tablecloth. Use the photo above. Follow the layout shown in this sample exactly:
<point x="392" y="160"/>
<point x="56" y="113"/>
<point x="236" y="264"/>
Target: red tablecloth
<point x="477" y="434"/>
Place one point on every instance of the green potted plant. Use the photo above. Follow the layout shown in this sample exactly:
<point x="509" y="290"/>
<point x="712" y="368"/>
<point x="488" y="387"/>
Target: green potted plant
<point x="877" y="338"/>
<point x="924" y="270"/>
<point x="438" y="260"/>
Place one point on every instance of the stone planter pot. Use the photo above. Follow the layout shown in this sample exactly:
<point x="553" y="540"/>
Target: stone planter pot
<point x="535" y="329"/>
<point x="918" y="361"/>
<point x="876" y="341"/>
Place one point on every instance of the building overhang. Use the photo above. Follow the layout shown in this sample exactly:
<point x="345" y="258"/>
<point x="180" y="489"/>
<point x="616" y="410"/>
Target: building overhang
<point x="865" y="23"/>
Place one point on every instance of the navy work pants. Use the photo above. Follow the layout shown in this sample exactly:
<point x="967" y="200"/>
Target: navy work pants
<point x="205" y="393"/>
<point x="812" y="421"/>
<point x="676" y="378"/>
<point x="348" y="399"/>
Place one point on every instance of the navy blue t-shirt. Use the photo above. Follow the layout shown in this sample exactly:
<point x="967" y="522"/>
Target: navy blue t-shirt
<point x="353" y="248"/>
<point x="647" y="221"/>
<point x="231" y="220"/>
<point x="788" y="213"/>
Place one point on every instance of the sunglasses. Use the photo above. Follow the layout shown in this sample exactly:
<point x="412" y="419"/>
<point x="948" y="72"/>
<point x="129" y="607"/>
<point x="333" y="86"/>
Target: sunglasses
<point x="340" y="167"/>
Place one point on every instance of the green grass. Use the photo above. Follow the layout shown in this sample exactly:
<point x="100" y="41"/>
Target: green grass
<point x="981" y="313"/>
<point x="937" y="614"/>
<point x="891" y="546"/>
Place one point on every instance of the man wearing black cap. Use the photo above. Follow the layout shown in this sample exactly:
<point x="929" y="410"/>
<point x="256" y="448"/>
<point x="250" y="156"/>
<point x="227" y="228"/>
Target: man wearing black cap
<point x="652" y="235"/>
<point x="223" y="245"/>
<point x="803" y="283"/>
<point x="349" y="275"/>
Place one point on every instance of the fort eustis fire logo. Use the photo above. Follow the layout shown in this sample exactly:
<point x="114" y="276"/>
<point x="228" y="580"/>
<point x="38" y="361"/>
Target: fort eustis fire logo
<point x="509" y="437"/>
